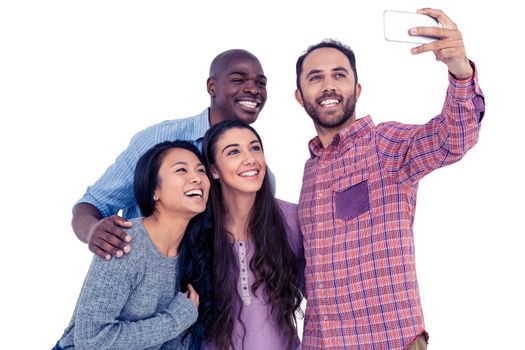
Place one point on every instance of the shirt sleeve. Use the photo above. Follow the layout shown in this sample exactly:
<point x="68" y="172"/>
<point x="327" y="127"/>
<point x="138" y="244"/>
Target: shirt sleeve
<point x="106" y="290"/>
<point x="294" y="235"/>
<point x="113" y="191"/>
<point x="409" y="152"/>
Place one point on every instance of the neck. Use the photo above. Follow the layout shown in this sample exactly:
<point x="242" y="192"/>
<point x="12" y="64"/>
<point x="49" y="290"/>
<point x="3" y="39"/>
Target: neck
<point x="238" y="210"/>
<point x="166" y="232"/>
<point x="215" y="115"/>
<point x="326" y="134"/>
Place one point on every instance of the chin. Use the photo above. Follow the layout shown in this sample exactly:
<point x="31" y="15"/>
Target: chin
<point x="256" y="188"/>
<point x="249" y="189"/>
<point x="197" y="210"/>
<point x="246" y="116"/>
<point x="249" y="119"/>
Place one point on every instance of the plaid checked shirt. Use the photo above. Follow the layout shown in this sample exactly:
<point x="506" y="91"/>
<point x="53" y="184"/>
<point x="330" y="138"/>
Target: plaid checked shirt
<point x="356" y="212"/>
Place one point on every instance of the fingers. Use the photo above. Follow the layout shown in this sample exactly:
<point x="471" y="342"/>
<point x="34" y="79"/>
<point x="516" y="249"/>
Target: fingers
<point x="449" y="48"/>
<point x="449" y="37"/>
<point x="437" y="32"/>
<point x="120" y="221"/>
<point x="192" y="295"/>
<point x="442" y="18"/>
<point x="452" y="46"/>
<point x="448" y="34"/>
<point x="106" y="246"/>
<point x="108" y="238"/>
<point x="98" y="251"/>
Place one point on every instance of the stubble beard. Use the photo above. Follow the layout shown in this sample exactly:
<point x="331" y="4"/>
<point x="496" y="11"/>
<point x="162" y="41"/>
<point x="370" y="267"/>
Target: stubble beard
<point x="315" y="111"/>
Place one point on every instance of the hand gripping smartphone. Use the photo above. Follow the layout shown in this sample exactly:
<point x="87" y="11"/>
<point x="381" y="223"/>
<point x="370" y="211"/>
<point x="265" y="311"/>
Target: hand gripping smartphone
<point x="398" y="23"/>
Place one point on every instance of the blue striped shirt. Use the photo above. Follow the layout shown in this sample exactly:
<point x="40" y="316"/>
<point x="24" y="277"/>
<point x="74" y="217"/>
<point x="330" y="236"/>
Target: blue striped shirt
<point x="114" y="190"/>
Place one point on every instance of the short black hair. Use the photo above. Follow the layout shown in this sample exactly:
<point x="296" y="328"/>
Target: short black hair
<point x="223" y="59"/>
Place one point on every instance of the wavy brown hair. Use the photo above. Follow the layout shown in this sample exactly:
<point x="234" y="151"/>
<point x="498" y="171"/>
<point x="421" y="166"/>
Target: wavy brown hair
<point x="273" y="262"/>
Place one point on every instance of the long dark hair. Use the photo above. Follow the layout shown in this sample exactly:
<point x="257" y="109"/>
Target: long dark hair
<point x="273" y="262"/>
<point x="195" y="252"/>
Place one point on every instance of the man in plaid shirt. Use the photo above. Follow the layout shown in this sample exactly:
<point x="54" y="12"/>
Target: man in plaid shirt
<point x="358" y="198"/>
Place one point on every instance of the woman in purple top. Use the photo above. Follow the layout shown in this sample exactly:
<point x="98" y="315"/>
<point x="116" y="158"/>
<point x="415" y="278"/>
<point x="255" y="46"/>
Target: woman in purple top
<point x="258" y="251"/>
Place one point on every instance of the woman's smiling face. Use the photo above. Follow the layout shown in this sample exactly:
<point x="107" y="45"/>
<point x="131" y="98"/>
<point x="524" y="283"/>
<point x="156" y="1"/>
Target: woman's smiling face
<point x="239" y="161"/>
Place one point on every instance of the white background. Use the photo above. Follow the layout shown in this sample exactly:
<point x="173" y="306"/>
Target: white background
<point x="79" y="78"/>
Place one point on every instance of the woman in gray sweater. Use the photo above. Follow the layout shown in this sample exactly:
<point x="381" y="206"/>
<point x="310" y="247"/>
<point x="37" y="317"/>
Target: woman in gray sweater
<point x="135" y="302"/>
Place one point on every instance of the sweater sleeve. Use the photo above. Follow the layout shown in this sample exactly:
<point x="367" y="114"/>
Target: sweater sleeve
<point x="106" y="290"/>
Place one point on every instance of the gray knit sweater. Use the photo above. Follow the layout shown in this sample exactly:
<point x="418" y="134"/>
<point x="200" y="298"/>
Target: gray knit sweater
<point x="131" y="302"/>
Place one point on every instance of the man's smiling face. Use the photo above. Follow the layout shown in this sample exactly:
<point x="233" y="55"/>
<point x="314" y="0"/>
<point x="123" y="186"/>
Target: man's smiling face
<point x="328" y="90"/>
<point x="240" y="89"/>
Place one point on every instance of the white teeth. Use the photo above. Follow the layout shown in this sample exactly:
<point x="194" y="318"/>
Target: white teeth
<point x="249" y="173"/>
<point x="248" y="104"/>
<point x="192" y="193"/>
<point x="329" y="102"/>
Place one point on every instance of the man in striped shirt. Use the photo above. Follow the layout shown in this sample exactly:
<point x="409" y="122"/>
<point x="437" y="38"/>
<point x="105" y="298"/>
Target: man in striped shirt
<point x="358" y="198"/>
<point x="237" y="87"/>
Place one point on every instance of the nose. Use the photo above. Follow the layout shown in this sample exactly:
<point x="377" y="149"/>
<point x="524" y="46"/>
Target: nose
<point x="249" y="160"/>
<point x="251" y="87"/>
<point x="328" y="85"/>
<point x="196" y="179"/>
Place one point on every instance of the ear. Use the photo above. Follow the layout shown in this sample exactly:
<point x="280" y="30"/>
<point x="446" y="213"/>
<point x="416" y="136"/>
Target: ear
<point x="214" y="173"/>
<point x="210" y="85"/>
<point x="357" y="91"/>
<point x="299" y="97"/>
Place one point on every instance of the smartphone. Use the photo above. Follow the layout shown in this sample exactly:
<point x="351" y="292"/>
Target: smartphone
<point x="398" y="23"/>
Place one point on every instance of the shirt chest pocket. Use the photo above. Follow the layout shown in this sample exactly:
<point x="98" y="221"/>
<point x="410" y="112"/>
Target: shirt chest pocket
<point x="351" y="195"/>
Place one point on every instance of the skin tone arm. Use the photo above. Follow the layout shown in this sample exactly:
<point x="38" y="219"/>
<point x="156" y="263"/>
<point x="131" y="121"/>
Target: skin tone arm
<point x="105" y="236"/>
<point x="449" y="49"/>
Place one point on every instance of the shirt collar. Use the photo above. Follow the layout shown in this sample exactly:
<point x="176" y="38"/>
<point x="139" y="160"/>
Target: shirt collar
<point x="354" y="131"/>
<point x="201" y="124"/>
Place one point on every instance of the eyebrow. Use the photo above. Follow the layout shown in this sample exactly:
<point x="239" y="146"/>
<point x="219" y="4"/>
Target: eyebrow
<point x="335" y="69"/>
<point x="259" y="76"/>
<point x="230" y="145"/>
<point x="184" y="163"/>
<point x="237" y="145"/>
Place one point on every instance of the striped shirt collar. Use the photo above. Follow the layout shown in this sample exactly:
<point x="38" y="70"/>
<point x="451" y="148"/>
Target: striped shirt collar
<point x="200" y="125"/>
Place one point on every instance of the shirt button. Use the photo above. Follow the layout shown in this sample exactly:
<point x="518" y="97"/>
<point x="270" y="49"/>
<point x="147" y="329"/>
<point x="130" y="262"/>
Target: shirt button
<point x="319" y="224"/>
<point x="319" y="195"/>
<point x="320" y="286"/>
<point x="325" y="318"/>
